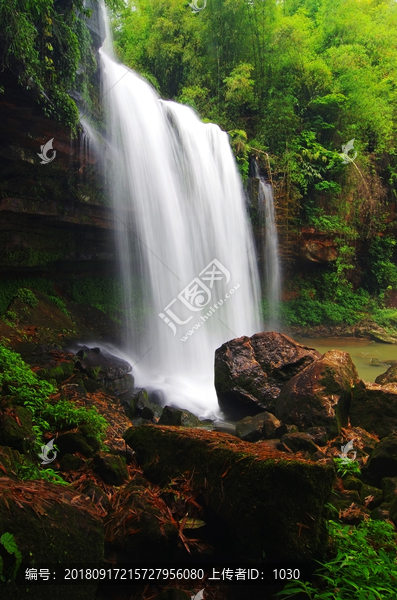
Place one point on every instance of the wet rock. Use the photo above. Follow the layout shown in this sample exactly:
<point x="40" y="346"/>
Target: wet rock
<point x="380" y="336"/>
<point x="364" y="440"/>
<point x="146" y="409"/>
<point x="178" y="417"/>
<point x="110" y="468"/>
<point x="69" y="443"/>
<point x="381" y="513"/>
<point x="97" y="495"/>
<point x="240" y="482"/>
<point x="389" y="487"/>
<point x="71" y="463"/>
<point x="352" y="483"/>
<point x="225" y="427"/>
<point x="252" y="429"/>
<point x="382" y="462"/>
<point x="138" y="421"/>
<point x="374" y="407"/>
<point x="10" y="459"/>
<point x="250" y="372"/>
<point x="393" y="512"/>
<point x="299" y="441"/>
<point x="16" y="428"/>
<point x="371" y="496"/>
<point x="100" y="365"/>
<point x="319" y="396"/>
<point x="122" y="385"/>
<point x="318" y="435"/>
<point x="389" y="377"/>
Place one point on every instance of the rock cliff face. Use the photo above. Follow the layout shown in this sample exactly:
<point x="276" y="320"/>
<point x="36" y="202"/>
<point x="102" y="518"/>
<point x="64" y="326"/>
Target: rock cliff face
<point x="54" y="217"/>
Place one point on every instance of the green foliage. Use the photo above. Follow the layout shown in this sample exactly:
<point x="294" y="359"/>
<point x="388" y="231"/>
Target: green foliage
<point x="27" y="296"/>
<point x="21" y="382"/>
<point x="64" y="415"/>
<point x="8" y="541"/>
<point x="17" y="379"/>
<point x="346" y="467"/>
<point x="241" y="151"/>
<point x="361" y="565"/>
<point x="382" y="271"/>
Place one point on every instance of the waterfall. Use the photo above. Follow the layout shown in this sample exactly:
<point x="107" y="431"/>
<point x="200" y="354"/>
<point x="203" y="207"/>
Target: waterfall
<point x="183" y="238"/>
<point x="267" y="216"/>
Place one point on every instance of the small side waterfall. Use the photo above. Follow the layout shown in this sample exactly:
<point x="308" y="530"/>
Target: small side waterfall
<point x="267" y="216"/>
<point x="183" y="236"/>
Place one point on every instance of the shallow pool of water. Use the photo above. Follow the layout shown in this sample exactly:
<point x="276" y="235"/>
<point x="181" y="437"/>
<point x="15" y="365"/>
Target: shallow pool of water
<point x="361" y="351"/>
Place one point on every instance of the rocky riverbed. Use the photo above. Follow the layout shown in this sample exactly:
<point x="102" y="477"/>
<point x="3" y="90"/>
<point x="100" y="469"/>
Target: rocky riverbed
<point x="155" y="483"/>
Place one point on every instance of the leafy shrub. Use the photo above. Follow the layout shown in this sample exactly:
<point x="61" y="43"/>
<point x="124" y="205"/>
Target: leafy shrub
<point x="64" y="414"/>
<point x="346" y="467"/>
<point x="27" y="296"/>
<point x="361" y="566"/>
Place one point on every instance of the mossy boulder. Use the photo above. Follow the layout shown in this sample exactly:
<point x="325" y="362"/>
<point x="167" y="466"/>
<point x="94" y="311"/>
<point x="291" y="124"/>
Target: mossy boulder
<point x="371" y="496"/>
<point x="319" y="396"/>
<point x="252" y="429"/>
<point x="250" y="372"/>
<point x="352" y="483"/>
<point x="178" y="417"/>
<point x="16" y="428"/>
<point x="374" y="407"/>
<point x="10" y="460"/>
<point x="101" y="365"/>
<point x="390" y="376"/>
<point x="393" y="512"/>
<point x="71" y="463"/>
<point x="299" y="441"/>
<point x="318" y="435"/>
<point x="70" y="442"/>
<point x="389" y="487"/>
<point x="111" y="468"/>
<point x="260" y="494"/>
<point x="51" y="525"/>
<point x="382" y="462"/>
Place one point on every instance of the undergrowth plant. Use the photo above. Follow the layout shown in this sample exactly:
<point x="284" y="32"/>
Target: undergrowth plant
<point x="17" y="379"/>
<point x="7" y="540"/>
<point x="362" y="565"/>
<point x="346" y="467"/>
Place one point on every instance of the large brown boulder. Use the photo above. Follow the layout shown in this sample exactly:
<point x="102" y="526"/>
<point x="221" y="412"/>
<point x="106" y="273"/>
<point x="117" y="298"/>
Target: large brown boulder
<point x="389" y="377"/>
<point x="320" y="394"/>
<point x="250" y="372"/>
<point x="382" y="462"/>
<point x="267" y="501"/>
<point x="374" y="407"/>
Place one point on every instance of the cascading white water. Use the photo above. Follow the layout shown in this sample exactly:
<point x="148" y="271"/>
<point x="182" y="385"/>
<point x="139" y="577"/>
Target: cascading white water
<point x="177" y="192"/>
<point x="267" y="216"/>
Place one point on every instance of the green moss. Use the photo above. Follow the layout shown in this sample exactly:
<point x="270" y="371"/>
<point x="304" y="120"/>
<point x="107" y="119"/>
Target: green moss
<point x="260" y="495"/>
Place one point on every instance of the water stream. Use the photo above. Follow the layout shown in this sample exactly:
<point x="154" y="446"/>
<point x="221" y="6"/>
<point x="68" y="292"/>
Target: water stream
<point x="185" y="235"/>
<point x="267" y="216"/>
